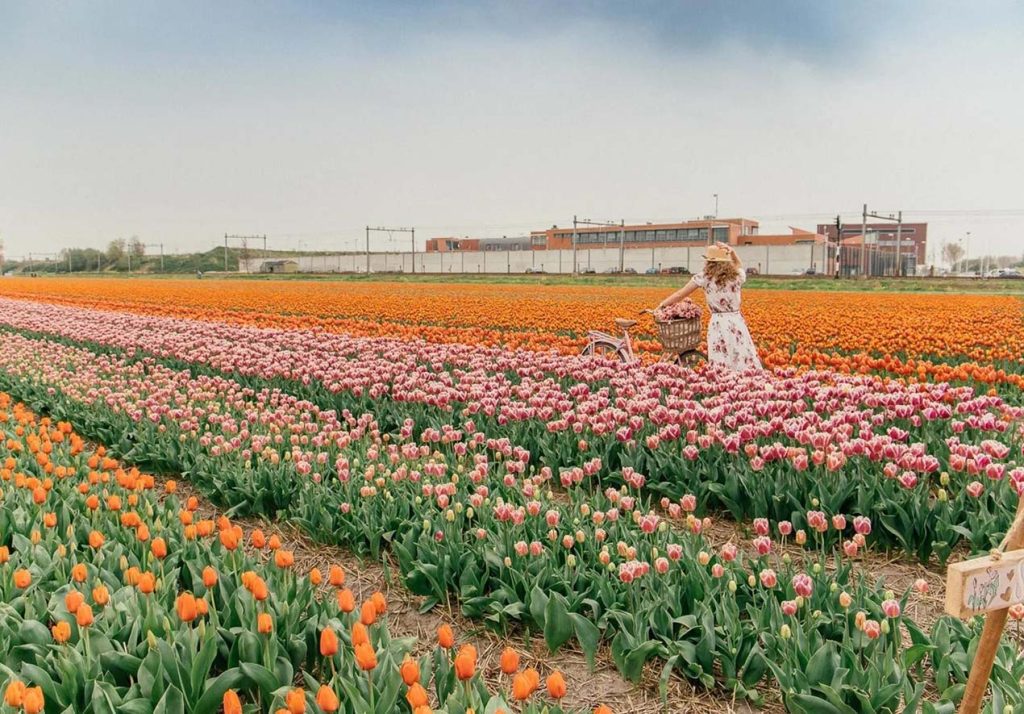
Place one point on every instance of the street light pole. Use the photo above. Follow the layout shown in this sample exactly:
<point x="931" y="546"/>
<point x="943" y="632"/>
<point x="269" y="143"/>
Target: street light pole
<point x="716" y="206"/>
<point x="574" y="245"/>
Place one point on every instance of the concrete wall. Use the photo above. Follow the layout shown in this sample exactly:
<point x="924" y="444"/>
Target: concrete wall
<point x="769" y="260"/>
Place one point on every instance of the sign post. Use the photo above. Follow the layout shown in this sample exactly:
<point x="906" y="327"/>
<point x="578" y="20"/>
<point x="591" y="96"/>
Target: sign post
<point x="989" y="586"/>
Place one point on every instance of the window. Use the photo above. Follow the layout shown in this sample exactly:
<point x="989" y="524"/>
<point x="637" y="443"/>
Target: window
<point x="660" y="237"/>
<point x="722" y="234"/>
<point x="670" y="236"/>
<point x="702" y="234"/>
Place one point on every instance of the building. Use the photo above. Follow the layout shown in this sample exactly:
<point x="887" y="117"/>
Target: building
<point x="451" y="245"/>
<point x="279" y="266"/>
<point x="686" y="234"/>
<point x="878" y="256"/>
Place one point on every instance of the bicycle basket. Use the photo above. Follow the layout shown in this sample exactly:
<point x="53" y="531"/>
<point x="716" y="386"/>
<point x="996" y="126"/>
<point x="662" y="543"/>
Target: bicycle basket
<point x="679" y="335"/>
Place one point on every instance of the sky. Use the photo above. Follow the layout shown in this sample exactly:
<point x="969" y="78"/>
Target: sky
<point x="181" y="121"/>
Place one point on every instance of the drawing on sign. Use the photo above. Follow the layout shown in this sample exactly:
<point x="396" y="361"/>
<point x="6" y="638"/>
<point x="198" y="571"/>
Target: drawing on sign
<point x="994" y="587"/>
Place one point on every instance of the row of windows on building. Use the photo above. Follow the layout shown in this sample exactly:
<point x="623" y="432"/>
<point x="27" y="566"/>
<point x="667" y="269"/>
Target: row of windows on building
<point x="669" y="235"/>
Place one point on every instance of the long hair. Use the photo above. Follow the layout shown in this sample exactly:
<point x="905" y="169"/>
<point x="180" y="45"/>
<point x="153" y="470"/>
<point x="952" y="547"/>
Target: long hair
<point x="720" y="272"/>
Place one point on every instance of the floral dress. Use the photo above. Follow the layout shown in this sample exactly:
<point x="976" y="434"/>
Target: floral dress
<point x="729" y="342"/>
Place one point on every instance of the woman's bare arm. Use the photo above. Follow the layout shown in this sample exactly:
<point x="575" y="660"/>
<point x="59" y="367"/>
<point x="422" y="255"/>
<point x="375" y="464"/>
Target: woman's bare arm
<point x="732" y="254"/>
<point x="679" y="294"/>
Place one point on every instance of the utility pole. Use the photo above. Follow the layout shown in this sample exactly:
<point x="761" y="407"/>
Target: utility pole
<point x="576" y="222"/>
<point x="225" y="252"/>
<point x="716" y="206"/>
<point x="864" y="242"/>
<point x="389" y="231"/>
<point x="839" y="238"/>
<point x="967" y="253"/>
<point x="899" y="245"/>
<point x="574" y="245"/>
<point x="622" y="245"/>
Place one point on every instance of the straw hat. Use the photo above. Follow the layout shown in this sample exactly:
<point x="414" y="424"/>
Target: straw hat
<point x="717" y="254"/>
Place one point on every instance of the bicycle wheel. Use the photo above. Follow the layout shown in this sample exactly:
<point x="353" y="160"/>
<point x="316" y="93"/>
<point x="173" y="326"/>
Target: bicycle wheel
<point x="690" y="358"/>
<point x="608" y="350"/>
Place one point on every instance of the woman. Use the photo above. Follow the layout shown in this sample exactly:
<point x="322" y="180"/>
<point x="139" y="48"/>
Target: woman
<point x="729" y="342"/>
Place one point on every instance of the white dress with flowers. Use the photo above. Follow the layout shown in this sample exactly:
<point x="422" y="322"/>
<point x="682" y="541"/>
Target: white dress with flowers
<point x="729" y="342"/>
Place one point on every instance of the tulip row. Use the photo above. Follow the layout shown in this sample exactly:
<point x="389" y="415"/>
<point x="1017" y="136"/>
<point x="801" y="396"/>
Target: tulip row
<point x="916" y="458"/>
<point x="119" y="597"/>
<point x="961" y="338"/>
<point x="466" y="513"/>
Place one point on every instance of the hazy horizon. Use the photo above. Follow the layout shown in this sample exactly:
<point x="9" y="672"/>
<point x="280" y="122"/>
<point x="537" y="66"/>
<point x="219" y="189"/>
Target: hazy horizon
<point x="306" y="121"/>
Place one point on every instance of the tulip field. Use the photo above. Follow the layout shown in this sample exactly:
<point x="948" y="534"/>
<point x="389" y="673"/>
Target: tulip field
<point x="703" y="526"/>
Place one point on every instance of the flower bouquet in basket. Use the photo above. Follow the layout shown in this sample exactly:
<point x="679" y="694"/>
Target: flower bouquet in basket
<point x="685" y="309"/>
<point x="679" y="326"/>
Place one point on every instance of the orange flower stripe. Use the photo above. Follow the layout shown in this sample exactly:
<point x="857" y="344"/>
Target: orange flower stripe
<point x="913" y="335"/>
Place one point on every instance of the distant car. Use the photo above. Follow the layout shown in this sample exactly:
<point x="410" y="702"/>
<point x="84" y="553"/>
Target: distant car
<point x="534" y="271"/>
<point x="629" y="271"/>
<point x="753" y="271"/>
<point x="1006" y="274"/>
<point x="651" y="271"/>
<point x="588" y="271"/>
<point x="677" y="270"/>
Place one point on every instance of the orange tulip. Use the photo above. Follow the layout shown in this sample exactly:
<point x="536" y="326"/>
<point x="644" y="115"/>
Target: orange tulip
<point x="379" y="602"/>
<point x="556" y="685"/>
<point x="328" y="642"/>
<point x="465" y="662"/>
<point x="73" y="600"/>
<point x="257" y="539"/>
<point x="100" y="595"/>
<point x="284" y="559"/>
<point x="346" y="601"/>
<point x="231" y="703"/>
<point x="368" y="613"/>
<point x="159" y="548"/>
<point x="259" y="589"/>
<point x="5" y="554"/>
<point x="84" y="616"/>
<point x="337" y="576"/>
<point x="264" y="624"/>
<point x="202" y="608"/>
<point x="22" y="579"/>
<point x="14" y="695"/>
<point x="142" y="533"/>
<point x="33" y="702"/>
<point x="445" y="637"/>
<point x="114" y="503"/>
<point x="274" y="542"/>
<point x="61" y="632"/>
<point x="209" y="577"/>
<point x="410" y="672"/>
<point x="229" y="539"/>
<point x="186" y="607"/>
<point x="359" y="634"/>
<point x="315" y="578"/>
<point x="79" y="573"/>
<point x="509" y="661"/>
<point x="295" y="700"/>
<point x="416" y="696"/>
<point x="147" y="583"/>
<point x="366" y="656"/>
<point x="49" y="520"/>
<point x="171" y="486"/>
<point x="602" y="709"/>
<point x="327" y="700"/>
<point x="96" y="540"/>
<point x="523" y="686"/>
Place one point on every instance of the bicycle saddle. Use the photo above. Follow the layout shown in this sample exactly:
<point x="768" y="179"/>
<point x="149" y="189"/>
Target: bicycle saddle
<point x="623" y="323"/>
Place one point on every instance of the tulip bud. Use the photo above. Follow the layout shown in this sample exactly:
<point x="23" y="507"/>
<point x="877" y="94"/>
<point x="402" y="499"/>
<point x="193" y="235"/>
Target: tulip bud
<point x="816" y="568"/>
<point x="885" y="627"/>
<point x="944" y="478"/>
<point x="784" y="632"/>
<point x="942" y="496"/>
<point x="732" y="585"/>
<point x="570" y="560"/>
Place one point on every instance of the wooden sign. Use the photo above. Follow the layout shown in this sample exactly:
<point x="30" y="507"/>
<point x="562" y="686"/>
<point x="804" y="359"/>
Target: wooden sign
<point x="988" y="585"/>
<point x="981" y="585"/>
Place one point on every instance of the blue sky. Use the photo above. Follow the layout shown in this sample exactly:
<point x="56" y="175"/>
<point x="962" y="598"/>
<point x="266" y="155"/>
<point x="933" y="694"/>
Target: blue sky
<point x="181" y="121"/>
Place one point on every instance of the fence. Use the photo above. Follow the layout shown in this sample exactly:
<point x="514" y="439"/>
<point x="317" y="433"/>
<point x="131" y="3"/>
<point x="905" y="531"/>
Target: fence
<point x="767" y="260"/>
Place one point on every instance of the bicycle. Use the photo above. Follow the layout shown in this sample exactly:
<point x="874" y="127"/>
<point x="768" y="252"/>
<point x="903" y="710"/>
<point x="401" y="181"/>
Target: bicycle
<point x="678" y="346"/>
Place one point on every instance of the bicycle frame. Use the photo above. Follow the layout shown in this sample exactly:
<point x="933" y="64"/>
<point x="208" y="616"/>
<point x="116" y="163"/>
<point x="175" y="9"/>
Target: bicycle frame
<point x="623" y="345"/>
